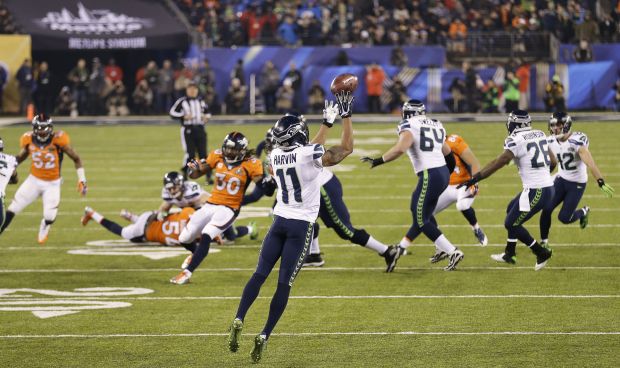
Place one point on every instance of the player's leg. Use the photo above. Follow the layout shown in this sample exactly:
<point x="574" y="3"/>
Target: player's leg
<point x="447" y="197"/>
<point x="545" y="215"/>
<point x="313" y="256"/>
<point x="2" y="209"/>
<point x="191" y="231"/>
<point x="465" y="199"/>
<point x="569" y="212"/>
<point x="27" y="193"/>
<point x="51" y="201"/>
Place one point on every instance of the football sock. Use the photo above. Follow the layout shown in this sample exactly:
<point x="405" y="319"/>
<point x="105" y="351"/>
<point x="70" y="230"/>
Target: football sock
<point x="404" y="242"/>
<point x="314" y="246"/>
<point x="442" y="243"/>
<point x="377" y="246"/>
<point x="230" y="233"/>
<point x="276" y="308"/>
<point x="49" y="222"/>
<point x="511" y="247"/>
<point x="8" y="217"/>
<point x="545" y="224"/>
<point x="97" y="216"/>
<point x="536" y="248"/>
<point x="545" y="241"/>
<point x="111" y="226"/>
<point x="522" y="234"/>
<point x="242" y="230"/>
<point x="200" y="253"/>
<point x="470" y="215"/>
<point x="250" y="292"/>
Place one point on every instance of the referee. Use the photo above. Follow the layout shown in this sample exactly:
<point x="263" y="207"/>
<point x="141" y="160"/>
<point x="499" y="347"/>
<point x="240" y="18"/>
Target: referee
<point x="193" y="113"/>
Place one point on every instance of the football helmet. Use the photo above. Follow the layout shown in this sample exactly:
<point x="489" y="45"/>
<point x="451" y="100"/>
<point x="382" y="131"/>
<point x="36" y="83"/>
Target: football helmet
<point x="234" y="147"/>
<point x="560" y="123"/>
<point x="518" y="120"/>
<point x="413" y="107"/>
<point x="269" y="140"/>
<point x="1" y="145"/>
<point x="42" y="127"/>
<point x="295" y="113"/>
<point x="173" y="183"/>
<point x="290" y="131"/>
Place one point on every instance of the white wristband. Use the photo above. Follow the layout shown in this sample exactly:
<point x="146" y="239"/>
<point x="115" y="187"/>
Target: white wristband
<point x="81" y="174"/>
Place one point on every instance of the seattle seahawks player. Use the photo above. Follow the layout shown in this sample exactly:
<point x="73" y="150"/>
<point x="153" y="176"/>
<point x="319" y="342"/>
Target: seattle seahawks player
<point x="181" y="193"/>
<point x="8" y="175"/>
<point x="573" y="156"/>
<point x="424" y="141"/>
<point x="529" y="150"/>
<point x="295" y="164"/>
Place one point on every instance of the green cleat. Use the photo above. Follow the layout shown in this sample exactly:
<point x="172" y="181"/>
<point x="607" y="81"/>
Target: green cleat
<point x="235" y="335"/>
<point x="253" y="230"/>
<point x="583" y="222"/>
<point x="260" y="343"/>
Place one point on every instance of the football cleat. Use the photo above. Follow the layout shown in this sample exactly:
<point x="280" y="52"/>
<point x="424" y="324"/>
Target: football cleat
<point x="455" y="258"/>
<point x="260" y="343"/>
<point x="542" y="259"/>
<point x="182" y="278"/>
<point x="235" y="335"/>
<point x="481" y="236"/>
<point x="438" y="256"/>
<point x="88" y="215"/>
<point x="391" y="255"/>
<point x="583" y="221"/>
<point x="253" y="230"/>
<point x="186" y="262"/>
<point x="313" y="260"/>
<point x="44" y="230"/>
<point x="503" y="257"/>
<point x="127" y="215"/>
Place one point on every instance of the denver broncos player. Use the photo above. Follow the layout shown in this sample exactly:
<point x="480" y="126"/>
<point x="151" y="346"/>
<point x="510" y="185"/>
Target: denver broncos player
<point x="234" y="168"/>
<point x="573" y="157"/>
<point x="8" y="175"/>
<point x="46" y="149"/>
<point x="146" y="227"/>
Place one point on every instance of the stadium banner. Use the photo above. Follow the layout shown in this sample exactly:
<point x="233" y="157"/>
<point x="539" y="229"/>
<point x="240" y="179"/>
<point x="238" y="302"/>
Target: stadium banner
<point x="99" y="24"/>
<point x="14" y="49"/>
<point x="600" y="52"/>
<point x="591" y="85"/>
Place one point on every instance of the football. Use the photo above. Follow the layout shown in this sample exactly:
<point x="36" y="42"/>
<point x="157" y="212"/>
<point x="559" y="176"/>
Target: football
<point x="344" y="82"/>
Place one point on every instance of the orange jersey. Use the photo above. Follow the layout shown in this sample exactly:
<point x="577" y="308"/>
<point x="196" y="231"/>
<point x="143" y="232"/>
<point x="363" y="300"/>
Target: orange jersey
<point x="46" y="159"/>
<point x="231" y="181"/>
<point x="167" y="231"/>
<point x="461" y="171"/>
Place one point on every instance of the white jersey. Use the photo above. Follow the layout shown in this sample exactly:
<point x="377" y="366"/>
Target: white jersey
<point x="190" y="197"/>
<point x="429" y="137"/>
<point x="531" y="151"/>
<point x="8" y="164"/>
<point x="297" y="174"/>
<point x="325" y="175"/>
<point x="570" y="166"/>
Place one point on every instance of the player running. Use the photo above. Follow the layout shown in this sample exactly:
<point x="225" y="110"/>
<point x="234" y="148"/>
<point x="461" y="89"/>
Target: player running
<point x="234" y="167"/>
<point x="8" y="175"/>
<point x="573" y="156"/>
<point x="46" y="149"/>
<point x="424" y="141"/>
<point x="529" y="149"/>
<point x="295" y="165"/>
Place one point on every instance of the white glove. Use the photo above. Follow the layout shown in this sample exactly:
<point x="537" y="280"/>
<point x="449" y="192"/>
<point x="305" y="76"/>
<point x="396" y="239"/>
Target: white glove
<point x="330" y="112"/>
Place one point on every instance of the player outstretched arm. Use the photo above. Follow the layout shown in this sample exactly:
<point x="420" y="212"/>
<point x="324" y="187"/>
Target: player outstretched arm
<point x="82" y="188"/>
<point x="499" y="162"/>
<point x="336" y="154"/>
<point x="405" y="140"/>
<point x="198" y="168"/>
<point x="587" y="158"/>
<point x="163" y="210"/>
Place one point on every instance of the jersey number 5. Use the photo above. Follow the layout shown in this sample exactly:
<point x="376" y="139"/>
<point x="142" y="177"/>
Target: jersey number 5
<point x="292" y="173"/>
<point x="427" y="143"/>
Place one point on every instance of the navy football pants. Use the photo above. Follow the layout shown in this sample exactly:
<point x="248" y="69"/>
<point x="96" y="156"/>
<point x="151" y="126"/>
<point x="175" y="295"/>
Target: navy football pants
<point x="431" y="183"/>
<point x="539" y="199"/>
<point x="569" y="194"/>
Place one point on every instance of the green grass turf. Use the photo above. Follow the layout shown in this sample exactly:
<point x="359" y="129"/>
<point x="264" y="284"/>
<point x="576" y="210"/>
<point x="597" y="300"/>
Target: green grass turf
<point x="177" y="326"/>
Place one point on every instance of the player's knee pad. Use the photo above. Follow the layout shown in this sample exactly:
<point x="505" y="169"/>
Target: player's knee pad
<point x="186" y="236"/>
<point x="360" y="237"/>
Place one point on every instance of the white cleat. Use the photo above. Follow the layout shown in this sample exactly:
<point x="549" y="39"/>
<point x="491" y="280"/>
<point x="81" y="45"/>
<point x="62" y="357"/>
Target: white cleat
<point x="44" y="230"/>
<point x="182" y="278"/>
<point x="186" y="262"/>
<point x="455" y="258"/>
<point x="128" y="215"/>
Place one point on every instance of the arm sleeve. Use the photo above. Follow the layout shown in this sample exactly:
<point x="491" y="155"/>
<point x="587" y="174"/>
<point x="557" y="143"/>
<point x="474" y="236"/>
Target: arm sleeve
<point x="256" y="194"/>
<point x="317" y="154"/>
<point x="260" y="147"/>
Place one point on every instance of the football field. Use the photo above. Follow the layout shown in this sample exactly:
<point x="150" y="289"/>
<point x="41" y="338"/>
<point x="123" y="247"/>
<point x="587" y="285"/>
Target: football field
<point x="82" y="300"/>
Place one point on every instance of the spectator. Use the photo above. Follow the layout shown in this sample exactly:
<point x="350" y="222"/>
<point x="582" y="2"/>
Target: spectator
<point x="4" y="78"/>
<point x="269" y="81"/>
<point x="151" y="75"/>
<point x="96" y="88"/>
<point x="25" y="79"/>
<point x="113" y="72"/>
<point x="471" y="89"/>
<point x="44" y="94"/>
<point x="183" y="79"/>
<point x="212" y="100"/>
<point x="316" y="97"/>
<point x="456" y="103"/>
<point x="608" y="28"/>
<point x="235" y="99"/>
<point x="554" y="95"/>
<point x="287" y="32"/>
<point x="143" y="98"/>
<point x="79" y="79"/>
<point x="457" y="33"/>
<point x="238" y="72"/>
<point x="490" y="98"/>
<point x="588" y="30"/>
<point x="284" y="97"/>
<point x="523" y="73"/>
<point x="398" y="94"/>
<point x="375" y="76"/>
<point x="65" y="103"/>
<point x="398" y="57"/>
<point x="206" y="76"/>
<point x="294" y="76"/>
<point x="511" y="92"/>
<point x="583" y="52"/>
<point x="116" y="100"/>
<point x="165" y="87"/>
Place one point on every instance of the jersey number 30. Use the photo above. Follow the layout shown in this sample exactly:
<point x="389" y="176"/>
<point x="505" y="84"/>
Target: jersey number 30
<point x="290" y="172"/>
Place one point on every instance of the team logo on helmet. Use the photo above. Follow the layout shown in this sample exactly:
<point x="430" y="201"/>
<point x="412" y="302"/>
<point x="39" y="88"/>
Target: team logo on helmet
<point x="290" y="131"/>
<point x="560" y="123"/>
<point x="413" y="107"/>
<point x="42" y="127"/>
<point x="173" y="183"/>
<point x="518" y="120"/>
<point x="234" y="147"/>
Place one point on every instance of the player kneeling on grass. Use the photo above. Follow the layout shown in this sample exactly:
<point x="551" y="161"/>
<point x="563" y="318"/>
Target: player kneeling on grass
<point x="529" y="150"/>
<point x="46" y="149"/>
<point x="296" y="164"/>
<point x="573" y="156"/>
<point x="8" y="175"/>
<point x="146" y="227"/>
<point x="234" y="167"/>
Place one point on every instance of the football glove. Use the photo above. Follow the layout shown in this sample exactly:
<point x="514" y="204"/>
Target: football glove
<point x="13" y="179"/>
<point x="373" y="161"/>
<point x="161" y="215"/>
<point x="82" y="188"/>
<point x="329" y="113"/>
<point x="474" y="179"/>
<point x="606" y="188"/>
<point x="345" y="104"/>
<point x="193" y="164"/>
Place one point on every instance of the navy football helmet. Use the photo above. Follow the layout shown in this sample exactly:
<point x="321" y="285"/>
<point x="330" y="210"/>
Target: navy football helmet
<point x="234" y="147"/>
<point x="173" y="183"/>
<point x="1" y="145"/>
<point x="42" y="127"/>
<point x="518" y="120"/>
<point x="290" y="132"/>
<point x="295" y="113"/>
<point x="413" y="107"/>
<point x="560" y="123"/>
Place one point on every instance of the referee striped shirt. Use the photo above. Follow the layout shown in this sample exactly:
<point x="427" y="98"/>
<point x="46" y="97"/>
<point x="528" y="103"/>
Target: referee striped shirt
<point x="195" y="107"/>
